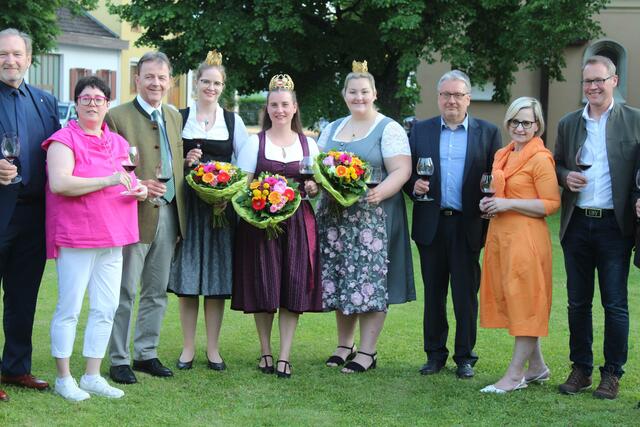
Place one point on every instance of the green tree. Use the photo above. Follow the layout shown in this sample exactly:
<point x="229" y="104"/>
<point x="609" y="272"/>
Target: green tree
<point x="315" y="41"/>
<point x="38" y="18"/>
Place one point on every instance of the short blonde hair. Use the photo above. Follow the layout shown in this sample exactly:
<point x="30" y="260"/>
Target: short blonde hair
<point x="521" y="103"/>
<point x="353" y="76"/>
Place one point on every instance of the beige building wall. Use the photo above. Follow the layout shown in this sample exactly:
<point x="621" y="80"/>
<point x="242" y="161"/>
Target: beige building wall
<point x="620" y="23"/>
<point x="176" y="96"/>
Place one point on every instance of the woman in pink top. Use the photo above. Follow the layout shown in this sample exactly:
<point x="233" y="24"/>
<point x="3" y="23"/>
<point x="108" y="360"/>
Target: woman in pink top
<point x="91" y="212"/>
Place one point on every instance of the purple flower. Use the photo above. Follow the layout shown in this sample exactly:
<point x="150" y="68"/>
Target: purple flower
<point x="366" y="236"/>
<point x="376" y="245"/>
<point x="367" y="289"/>
<point x="332" y="234"/>
<point x="328" y="161"/>
<point x="356" y="298"/>
<point x="328" y="286"/>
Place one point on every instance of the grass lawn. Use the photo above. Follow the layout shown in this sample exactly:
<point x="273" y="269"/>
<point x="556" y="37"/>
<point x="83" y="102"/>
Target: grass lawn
<point x="393" y="394"/>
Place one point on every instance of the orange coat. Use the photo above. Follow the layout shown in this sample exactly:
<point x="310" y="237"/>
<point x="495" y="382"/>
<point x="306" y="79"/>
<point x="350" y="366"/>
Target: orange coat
<point x="515" y="289"/>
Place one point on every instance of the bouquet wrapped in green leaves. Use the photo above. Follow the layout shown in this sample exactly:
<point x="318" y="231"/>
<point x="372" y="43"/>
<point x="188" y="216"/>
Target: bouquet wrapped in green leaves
<point x="214" y="183"/>
<point x="269" y="200"/>
<point x="342" y="174"/>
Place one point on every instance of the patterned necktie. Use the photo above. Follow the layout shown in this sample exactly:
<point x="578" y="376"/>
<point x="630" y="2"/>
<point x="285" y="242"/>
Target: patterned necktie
<point x="165" y="155"/>
<point x="23" y="135"/>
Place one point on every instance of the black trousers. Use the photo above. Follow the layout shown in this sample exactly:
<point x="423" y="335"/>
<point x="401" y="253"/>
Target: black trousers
<point x="450" y="258"/>
<point x="22" y="261"/>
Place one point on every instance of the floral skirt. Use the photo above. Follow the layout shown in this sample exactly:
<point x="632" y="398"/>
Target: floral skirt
<point x="353" y="257"/>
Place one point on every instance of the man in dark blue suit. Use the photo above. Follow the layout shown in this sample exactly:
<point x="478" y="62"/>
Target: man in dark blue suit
<point x="448" y="230"/>
<point x="32" y="115"/>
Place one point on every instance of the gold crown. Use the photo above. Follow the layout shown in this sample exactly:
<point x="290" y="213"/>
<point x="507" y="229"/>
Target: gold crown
<point x="214" y="58"/>
<point x="359" y="67"/>
<point x="281" y="81"/>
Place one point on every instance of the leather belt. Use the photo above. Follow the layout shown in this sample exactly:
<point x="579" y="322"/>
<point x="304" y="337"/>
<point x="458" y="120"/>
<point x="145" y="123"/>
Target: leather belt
<point x="449" y="212"/>
<point x="596" y="212"/>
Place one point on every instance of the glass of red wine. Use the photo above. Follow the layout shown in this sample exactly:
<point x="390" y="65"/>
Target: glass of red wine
<point x="163" y="173"/>
<point x="584" y="158"/>
<point x="486" y="186"/>
<point x="131" y="162"/>
<point x="10" y="147"/>
<point x="306" y="171"/>
<point x="374" y="177"/>
<point x="425" y="169"/>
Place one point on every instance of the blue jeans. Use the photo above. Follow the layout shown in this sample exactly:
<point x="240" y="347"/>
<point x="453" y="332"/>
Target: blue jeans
<point x="590" y="244"/>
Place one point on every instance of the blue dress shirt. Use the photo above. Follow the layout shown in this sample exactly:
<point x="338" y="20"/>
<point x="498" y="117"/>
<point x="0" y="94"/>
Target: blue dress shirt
<point x="453" y="151"/>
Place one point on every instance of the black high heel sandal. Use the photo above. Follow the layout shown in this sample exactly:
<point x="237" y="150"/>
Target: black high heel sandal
<point x="266" y="369"/>
<point x="356" y="367"/>
<point x="283" y="373"/>
<point x="334" y="360"/>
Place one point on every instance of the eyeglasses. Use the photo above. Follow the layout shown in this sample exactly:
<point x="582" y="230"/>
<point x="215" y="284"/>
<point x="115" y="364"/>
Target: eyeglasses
<point x="597" y="82"/>
<point x="97" y="100"/>
<point x="526" y="124"/>
<point x="209" y="83"/>
<point x="458" y="96"/>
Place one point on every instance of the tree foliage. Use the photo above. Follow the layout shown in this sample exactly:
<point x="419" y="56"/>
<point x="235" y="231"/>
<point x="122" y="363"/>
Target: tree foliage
<point x="315" y="41"/>
<point x="38" y="18"/>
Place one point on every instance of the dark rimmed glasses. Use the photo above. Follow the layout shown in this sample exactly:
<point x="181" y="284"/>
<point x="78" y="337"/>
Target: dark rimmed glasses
<point x="526" y="124"/>
<point x="97" y="100"/>
<point x="597" y="82"/>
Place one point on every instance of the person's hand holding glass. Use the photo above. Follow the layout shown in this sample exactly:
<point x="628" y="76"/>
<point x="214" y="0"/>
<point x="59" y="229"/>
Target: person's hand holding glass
<point x="10" y="146"/>
<point x="487" y="188"/>
<point x="576" y="181"/>
<point x="424" y="169"/>
<point x="306" y="171"/>
<point x="157" y="187"/>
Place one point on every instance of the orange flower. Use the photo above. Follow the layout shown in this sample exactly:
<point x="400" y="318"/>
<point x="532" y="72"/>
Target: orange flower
<point x="341" y="171"/>
<point x="207" y="177"/>
<point x="254" y="185"/>
<point x="274" y="197"/>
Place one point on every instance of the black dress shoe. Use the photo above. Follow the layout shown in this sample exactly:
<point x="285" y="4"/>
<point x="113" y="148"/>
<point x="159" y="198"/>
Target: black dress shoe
<point x="184" y="365"/>
<point x="431" y="367"/>
<point x="216" y="366"/>
<point x="465" y="371"/>
<point x="122" y="374"/>
<point x="152" y="367"/>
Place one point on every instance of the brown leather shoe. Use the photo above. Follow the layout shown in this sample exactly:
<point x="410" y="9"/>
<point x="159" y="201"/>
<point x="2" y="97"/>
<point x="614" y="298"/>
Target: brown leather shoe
<point x="26" y="380"/>
<point x="608" y="387"/>
<point x="4" y="397"/>
<point x="576" y="382"/>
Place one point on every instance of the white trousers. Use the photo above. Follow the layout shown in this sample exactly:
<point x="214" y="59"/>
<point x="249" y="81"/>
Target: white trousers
<point x="99" y="270"/>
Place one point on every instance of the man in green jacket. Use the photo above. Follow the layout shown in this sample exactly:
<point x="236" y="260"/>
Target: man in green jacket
<point x="155" y="130"/>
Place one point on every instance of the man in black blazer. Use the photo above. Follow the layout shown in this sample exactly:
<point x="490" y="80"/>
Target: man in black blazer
<point x="448" y="230"/>
<point x="33" y="115"/>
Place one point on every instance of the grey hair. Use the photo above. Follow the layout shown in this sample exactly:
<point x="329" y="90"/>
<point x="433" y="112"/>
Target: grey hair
<point x="599" y="59"/>
<point x="455" y="75"/>
<point x="24" y="36"/>
<point x="521" y="103"/>
<point x="153" y="57"/>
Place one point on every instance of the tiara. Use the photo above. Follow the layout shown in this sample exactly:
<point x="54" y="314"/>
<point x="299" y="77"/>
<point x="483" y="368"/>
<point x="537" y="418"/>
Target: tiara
<point x="359" y="67"/>
<point x="281" y="81"/>
<point x="214" y="58"/>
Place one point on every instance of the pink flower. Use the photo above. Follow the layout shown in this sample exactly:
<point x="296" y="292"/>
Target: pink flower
<point x="209" y="167"/>
<point x="280" y="186"/>
<point x="328" y="286"/>
<point x="345" y="158"/>
<point x="367" y="289"/>
<point x="270" y="180"/>
<point x="332" y="234"/>
<point x="273" y="209"/>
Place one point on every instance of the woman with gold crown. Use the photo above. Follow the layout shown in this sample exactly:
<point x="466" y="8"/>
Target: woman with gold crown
<point x="279" y="274"/>
<point x="202" y="264"/>
<point x="366" y="257"/>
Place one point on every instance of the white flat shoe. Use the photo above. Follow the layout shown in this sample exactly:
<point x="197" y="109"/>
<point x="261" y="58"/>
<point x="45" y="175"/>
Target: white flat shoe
<point x="493" y="389"/>
<point x="540" y="378"/>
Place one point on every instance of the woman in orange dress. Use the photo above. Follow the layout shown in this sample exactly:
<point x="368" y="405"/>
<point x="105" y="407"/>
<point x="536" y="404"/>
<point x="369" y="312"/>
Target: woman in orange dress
<point x="515" y="289"/>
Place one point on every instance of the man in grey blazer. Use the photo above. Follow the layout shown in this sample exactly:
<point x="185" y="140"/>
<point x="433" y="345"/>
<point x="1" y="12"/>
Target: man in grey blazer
<point x="596" y="229"/>
<point x="156" y="131"/>
<point x="448" y="230"/>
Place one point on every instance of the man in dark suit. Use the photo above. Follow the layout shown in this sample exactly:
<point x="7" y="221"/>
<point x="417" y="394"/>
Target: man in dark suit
<point x="596" y="228"/>
<point x="32" y="115"/>
<point x="448" y="230"/>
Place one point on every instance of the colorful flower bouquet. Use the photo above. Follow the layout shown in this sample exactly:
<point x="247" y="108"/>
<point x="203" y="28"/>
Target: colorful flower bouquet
<point x="269" y="200"/>
<point x="214" y="183"/>
<point x="342" y="174"/>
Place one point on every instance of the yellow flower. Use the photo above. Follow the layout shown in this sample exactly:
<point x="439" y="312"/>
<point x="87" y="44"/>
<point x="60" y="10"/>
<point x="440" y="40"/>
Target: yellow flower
<point x="200" y="172"/>
<point x="257" y="193"/>
<point x="265" y="185"/>
<point x="265" y="193"/>
<point x="274" y="198"/>
<point x="254" y="185"/>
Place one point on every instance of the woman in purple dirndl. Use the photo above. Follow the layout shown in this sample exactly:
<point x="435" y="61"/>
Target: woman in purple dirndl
<point x="280" y="274"/>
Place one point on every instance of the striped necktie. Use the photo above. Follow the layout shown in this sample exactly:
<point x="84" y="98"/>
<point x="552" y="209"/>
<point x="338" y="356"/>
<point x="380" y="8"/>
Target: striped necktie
<point x="165" y="155"/>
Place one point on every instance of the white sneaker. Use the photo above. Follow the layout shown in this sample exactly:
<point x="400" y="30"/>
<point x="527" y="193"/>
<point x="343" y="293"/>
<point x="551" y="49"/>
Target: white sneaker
<point x="67" y="387"/>
<point x="95" y="384"/>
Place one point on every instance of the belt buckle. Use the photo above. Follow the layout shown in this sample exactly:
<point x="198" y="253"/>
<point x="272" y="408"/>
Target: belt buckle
<point x="447" y="212"/>
<point x="593" y="212"/>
